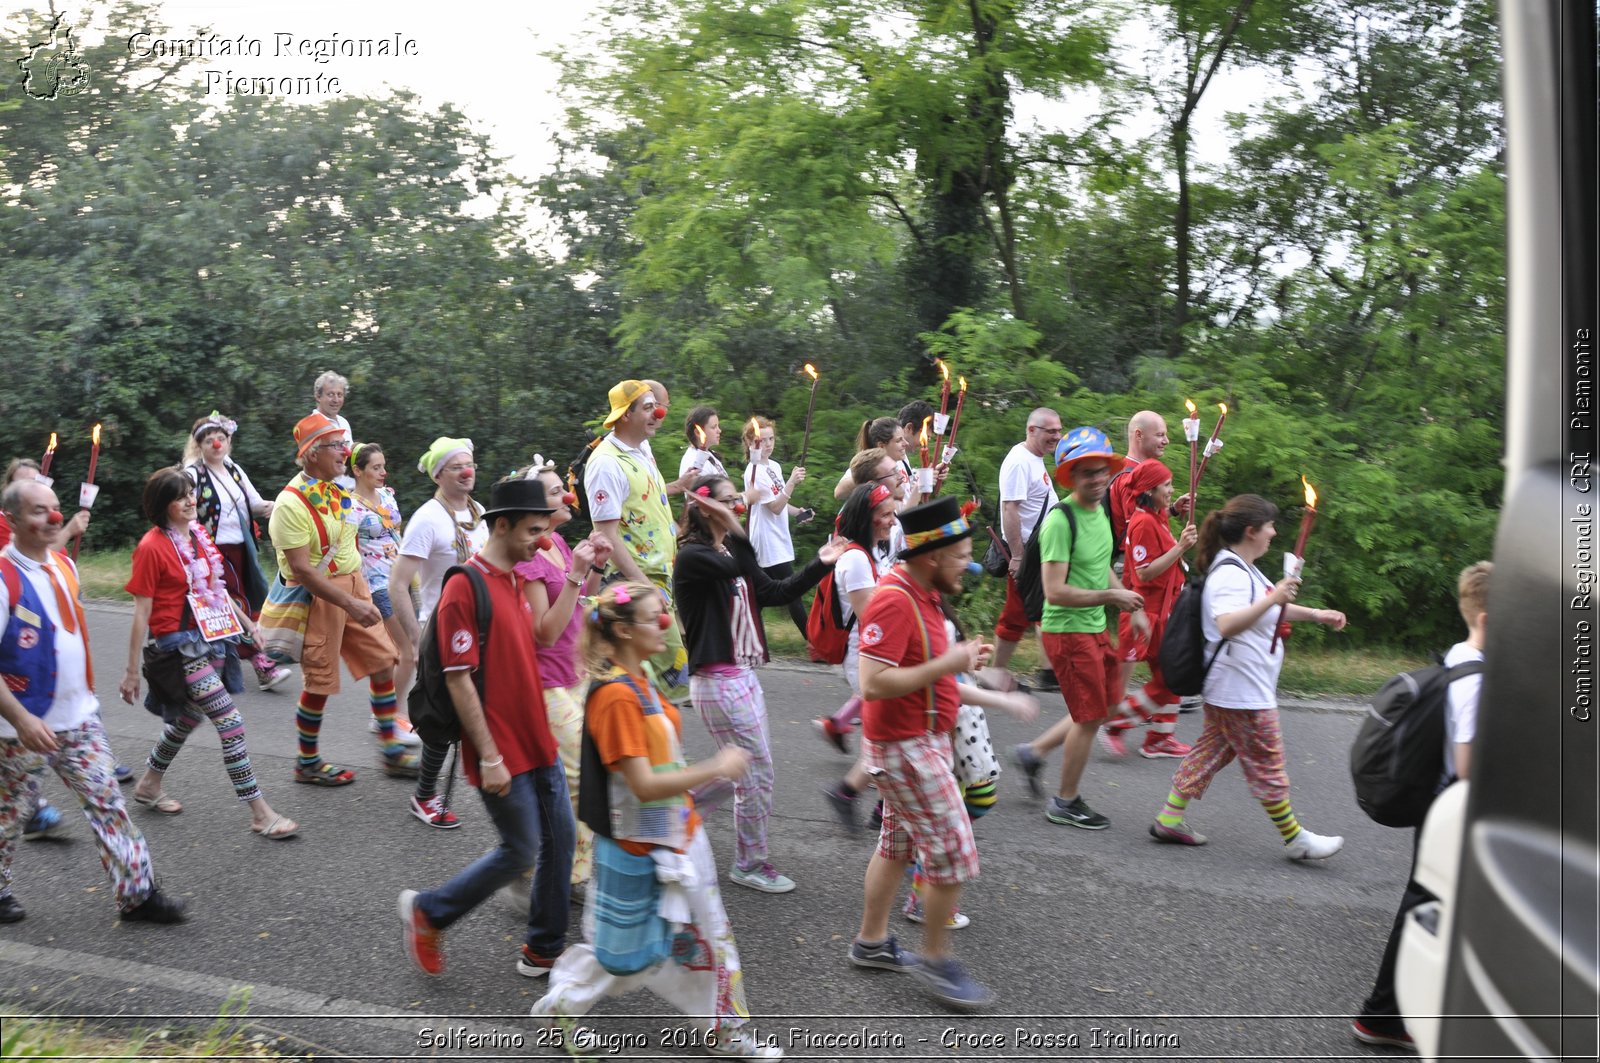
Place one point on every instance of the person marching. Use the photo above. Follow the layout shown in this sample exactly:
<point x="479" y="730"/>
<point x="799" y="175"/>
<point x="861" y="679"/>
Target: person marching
<point x="703" y="429"/>
<point x="557" y="578"/>
<point x="768" y="495"/>
<point x="1026" y="495"/>
<point x="227" y="504"/>
<point x="48" y="711"/>
<point x="1151" y="568"/>
<point x="313" y="512"/>
<point x="376" y="513"/>
<point x="628" y="505"/>
<point x="445" y="530"/>
<point x="1241" y="690"/>
<point x="507" y="749"/>
<point x="721" y="590"/>
<point x="644" y="808"/>
<point x="908" y="672"/>
<point x="178" y="571"/>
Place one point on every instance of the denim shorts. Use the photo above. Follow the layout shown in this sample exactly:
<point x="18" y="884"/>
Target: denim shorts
<point x="380" y="598"/>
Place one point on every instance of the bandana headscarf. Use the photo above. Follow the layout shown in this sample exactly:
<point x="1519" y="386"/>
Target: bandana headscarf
<point x="438" y="456"/>
<point x="1148" y="475"/>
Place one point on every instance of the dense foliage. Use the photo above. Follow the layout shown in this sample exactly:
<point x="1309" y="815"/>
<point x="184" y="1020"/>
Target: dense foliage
<point x="864" y="184"/>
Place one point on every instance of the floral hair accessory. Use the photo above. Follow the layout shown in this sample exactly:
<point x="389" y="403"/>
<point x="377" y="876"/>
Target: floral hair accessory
<point x="215" y="421"/>
<point x="538" y="467"/>
<point x="623" y="597"/>
<point x="703" y="492"/>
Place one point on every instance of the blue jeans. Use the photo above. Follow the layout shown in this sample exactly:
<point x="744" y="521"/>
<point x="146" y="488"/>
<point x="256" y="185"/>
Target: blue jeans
<point x="536" y="828"/>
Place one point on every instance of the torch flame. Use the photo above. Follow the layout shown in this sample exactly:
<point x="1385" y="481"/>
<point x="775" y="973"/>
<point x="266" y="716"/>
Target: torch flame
<point x="811" y="371"/>
<point x="922" y="436"/>
<point x="963" y="383"/>
<point x="1311" y="493"/>
<point x="95" y="436"/>
<point x="1190" y="403"/>
<point x="700" y="436"/>
<point x="944" y="370"/>
<point x="755" y="429"/>
<point x="1223" y="406"/>
<point x="52" y="447"/>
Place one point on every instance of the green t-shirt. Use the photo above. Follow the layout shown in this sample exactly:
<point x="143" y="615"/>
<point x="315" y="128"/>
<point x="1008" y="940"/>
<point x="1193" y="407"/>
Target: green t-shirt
<point x="1089" y="565"/>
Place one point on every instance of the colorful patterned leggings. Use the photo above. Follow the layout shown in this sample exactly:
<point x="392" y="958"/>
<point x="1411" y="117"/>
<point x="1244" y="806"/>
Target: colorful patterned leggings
<point x="84" y="762"/>
<point x="1253" y="736"/>
<point x="735" y="712"/>
<point x="564" y="709"/>
<point x="207" y="698"/>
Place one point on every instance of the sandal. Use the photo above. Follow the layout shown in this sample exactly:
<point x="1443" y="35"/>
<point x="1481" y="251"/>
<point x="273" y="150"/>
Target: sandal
<point x="281" y="827"/>
<point x="162" y="803"/>
<point x="401" y="765"/>
<point x="325" y="774"/>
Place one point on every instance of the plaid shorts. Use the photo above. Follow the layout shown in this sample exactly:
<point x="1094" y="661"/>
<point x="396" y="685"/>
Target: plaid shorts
<point x="923" y="814"/>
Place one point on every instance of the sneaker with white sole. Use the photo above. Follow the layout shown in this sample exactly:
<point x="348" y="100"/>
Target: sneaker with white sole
<point x="764" y="878"/>
<point x="886" y="955"/>
<point x="741" y="1044"/>
<point x="47" y="821"/>
<point x="1111" y="741"/>
<point x="402" y="731"/>
<point x="1181" y="834"/>
<point x="949" y="983"/>
<point x="1157" y="746"/>
<point x="434" y="813"/>
<point x="272" y="680"/>
<point x="1029" y="762"/>
<point x="1308" y="846"/>
<point x="1075" y="813"/>
<point x="913" y="912"/>
<point x="532" y="965"/>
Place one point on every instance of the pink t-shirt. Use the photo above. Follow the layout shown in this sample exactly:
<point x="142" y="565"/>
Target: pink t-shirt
<point x="558" y="664"/>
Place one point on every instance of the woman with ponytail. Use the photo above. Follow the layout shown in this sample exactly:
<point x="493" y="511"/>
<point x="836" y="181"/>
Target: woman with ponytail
<point x="880" y="433"/>
<point x="720" y="591"/>
<point x="1240" y="607"/>
<point x="636" y="800"/>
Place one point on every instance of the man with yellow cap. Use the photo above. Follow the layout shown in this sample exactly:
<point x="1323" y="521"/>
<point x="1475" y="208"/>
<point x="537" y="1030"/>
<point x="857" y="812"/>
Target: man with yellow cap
<point x="316" y="546"/>
<point x="445" y="530"/>
<point x="628" y="505"/>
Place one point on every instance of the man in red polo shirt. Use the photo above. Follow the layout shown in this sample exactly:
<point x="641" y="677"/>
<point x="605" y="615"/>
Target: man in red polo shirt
<point x="908" y="684"/>
<point x="507" y="750"/>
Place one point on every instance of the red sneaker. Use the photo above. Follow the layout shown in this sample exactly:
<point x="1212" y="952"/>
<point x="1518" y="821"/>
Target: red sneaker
<point x="423" y="942"/>
<point x="1158" y="746"/>
<point x="434" y="813"/>
<point x="1111" y="741"/>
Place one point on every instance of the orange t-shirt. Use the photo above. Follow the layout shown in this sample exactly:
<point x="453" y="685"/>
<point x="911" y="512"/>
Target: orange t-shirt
<point x="621" y="730"/>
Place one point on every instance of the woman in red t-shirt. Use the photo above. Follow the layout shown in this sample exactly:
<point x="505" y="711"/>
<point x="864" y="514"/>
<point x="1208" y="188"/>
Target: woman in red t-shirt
<point x="177" y="574"/>
<point x="643" y="807"/>
<point x="1151" y="555"/>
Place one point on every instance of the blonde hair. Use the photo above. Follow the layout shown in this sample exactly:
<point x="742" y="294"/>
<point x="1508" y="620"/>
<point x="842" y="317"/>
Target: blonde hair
<point x="615" y="605"/>
<point x="1472" y="590"/>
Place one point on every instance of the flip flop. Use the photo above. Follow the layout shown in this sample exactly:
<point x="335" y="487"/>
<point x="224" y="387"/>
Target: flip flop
<point x="162" y="803"/>
<point x="280" y="828"/>
<point x="325" y="774"/>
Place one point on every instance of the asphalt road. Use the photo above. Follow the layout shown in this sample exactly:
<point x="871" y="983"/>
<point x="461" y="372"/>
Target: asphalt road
<point x="1101" y="945"/>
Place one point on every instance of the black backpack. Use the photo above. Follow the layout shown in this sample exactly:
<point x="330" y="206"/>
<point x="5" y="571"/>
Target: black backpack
<point x="1182" y="656"/>
<point x="1030" y="574"/>
<point x="581" y="523"/>
<point x="1397" y="759"/>
<point x="433" y="713"/>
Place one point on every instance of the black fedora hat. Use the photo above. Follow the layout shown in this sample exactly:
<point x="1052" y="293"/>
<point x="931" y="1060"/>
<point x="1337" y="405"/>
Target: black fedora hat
<point x="518" y="496"/>
<point x="933" y="525"/>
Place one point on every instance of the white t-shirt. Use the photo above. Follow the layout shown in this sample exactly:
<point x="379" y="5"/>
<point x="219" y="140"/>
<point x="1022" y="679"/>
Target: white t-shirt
<point x="1461" y="719"/>
<point x="431" y="538"/>
<point x="709" y="464"/>
<point x="233" y="509"/>
<point x="604" y="477"/>
<point x="1023" y="478"/>
<point x="853" y="572"/>
<point x="1245" y="675"/>
<point x="769" y="531"/>
<point x="74" y="702"/>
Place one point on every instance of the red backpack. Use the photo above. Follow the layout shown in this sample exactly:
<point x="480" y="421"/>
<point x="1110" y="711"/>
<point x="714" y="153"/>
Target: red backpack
<point x="829" y="635"/>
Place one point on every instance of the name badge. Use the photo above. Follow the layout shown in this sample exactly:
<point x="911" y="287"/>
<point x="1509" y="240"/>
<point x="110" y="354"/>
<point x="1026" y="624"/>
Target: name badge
<point x="28" y="616"/>
<point x="215" y="623"/>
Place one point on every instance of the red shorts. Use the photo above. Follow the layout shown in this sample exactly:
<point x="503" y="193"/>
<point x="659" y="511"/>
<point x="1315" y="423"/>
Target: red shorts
<point x="1012" y="624"/>
<point x="923" y="812"/>
<point x="1086" y="668"/>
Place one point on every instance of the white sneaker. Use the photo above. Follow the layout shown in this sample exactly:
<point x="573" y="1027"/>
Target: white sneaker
<point x="764" y="878"/>
<point x="402" y="732"/>
<point x="742" y="1045"/>
<point x="1308" y="846"/>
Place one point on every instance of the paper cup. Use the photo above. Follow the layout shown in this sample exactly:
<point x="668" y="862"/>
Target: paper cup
<point x="1293" y="566"/>
<point x="925" y="480"/>
<point x="941" y="423"/>
<point x="87" y="493"/>
<point x="949" y="454"/>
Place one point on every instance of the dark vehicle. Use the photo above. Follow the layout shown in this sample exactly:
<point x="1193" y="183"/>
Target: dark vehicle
<point x="1508" y="955"/>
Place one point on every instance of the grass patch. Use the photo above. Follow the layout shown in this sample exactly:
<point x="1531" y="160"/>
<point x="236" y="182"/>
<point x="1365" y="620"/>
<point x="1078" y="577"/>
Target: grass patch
<point x="42" y="1037"/>
<point x="1311" y="668"/>
<point x="102" y="573"/>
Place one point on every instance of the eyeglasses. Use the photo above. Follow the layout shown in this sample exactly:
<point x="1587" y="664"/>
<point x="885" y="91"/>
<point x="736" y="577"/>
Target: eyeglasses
<point x="1049" y="430"/>
<point x="331" y="446"/>
<point x="454" y="469"/>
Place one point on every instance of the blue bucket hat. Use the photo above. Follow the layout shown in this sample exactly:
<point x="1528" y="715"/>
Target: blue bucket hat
<point x="1081" y="443"/>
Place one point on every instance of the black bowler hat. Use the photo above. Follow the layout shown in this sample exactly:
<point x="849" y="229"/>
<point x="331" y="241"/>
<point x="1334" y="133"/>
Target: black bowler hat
<point x="933" y="525"/>
<point x="517" y="496"/>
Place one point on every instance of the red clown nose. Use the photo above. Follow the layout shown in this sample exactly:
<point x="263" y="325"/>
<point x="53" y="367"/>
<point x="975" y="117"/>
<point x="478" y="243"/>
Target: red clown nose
<point x="216" y="444"/>
<point x="544" y="542"/>
<point x="659" y="413"/>
<point x="54" y="518"/>
<point x="569" y="499"/>
<point x="664" y="621"/>
<point x="738" y="507"/>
